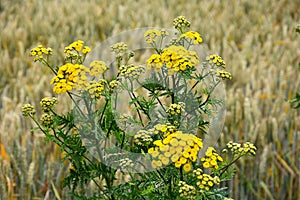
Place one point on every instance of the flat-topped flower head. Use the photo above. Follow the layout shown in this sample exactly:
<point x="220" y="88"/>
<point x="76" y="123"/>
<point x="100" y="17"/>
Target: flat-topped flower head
<point x="70" y="76"/>
<point x="96" y="88"/>
<point x="28" y="110"/>
<point x="131" y="71"/>
<point x="97" y="67"/>
<point x="47" y="103"/>
<point x="194" y="36"/>
<point x="211" y="159"/>
<point x="143" y="138"/>
<point x="223" y="74"/>
<point x="216" y="61"/>
<point x="205" y="181"/>
<point x="119" y="49"/>
<point x="241" y="149"/>
<point x="186" y="191"/>
<point x="39" y="52"/>
<point x="181" y="23"/>
<point x="177" y="148"/>
<point x="47" y="119"/>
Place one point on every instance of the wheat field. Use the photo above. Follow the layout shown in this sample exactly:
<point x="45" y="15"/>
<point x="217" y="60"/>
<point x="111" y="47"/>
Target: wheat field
<point x="257" y="39"/>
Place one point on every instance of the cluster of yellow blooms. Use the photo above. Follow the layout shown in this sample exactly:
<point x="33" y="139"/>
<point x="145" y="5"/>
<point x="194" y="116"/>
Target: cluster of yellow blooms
<point x="39" y="51"/>
<point x="219" y="63"/>
<point x="74" y="49"/>
<point x="47" y="119"/>
<point x="193" y="35"/>
<point x="186" y="191"/>
<point x="28" y="110"/>
<point x="142" y="138"/>
<point x="163" y="129"/>
<point x="175" y="109"/>
<point x="211" y="159"/>
<point x="181" y="22"/>
<point x="113" y="84"/>
<point x="47" y="103"/>
<point x="175" y="58"/>
<point x="97" y="67"/>
<point x="126" y="163"/>
<point x="95" y="88"/>
<point x="130" y="71"/>
<point x="152" y="35"/>
<point x="205" y="181"/>
<point x="119" y="49"/>
<point x="216" y="60"/>
<point x="178" y="148"/>
<point x="239" y="149"/>
<point x="223" y="74"/>
<point x="70" y="76"/>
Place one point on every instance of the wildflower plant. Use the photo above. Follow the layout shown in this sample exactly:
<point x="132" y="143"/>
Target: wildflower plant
<point x="157" y="140"/>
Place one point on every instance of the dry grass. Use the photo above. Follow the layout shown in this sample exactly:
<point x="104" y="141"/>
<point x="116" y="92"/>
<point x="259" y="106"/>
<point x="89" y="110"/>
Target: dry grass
<point x="256" y="39"/>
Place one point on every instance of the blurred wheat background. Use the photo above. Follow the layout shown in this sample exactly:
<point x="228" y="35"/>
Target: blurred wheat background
<point x="256" y="39"/>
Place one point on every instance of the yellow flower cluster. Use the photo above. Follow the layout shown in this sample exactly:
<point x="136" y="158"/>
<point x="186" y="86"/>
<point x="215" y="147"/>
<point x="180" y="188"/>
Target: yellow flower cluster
<point x="181" y="22"/>
<point x="39" y="51"/>
<point x="142" y="138"/>
<point x="96" y="88"/>
<point x="186" y="191"/>
<point x="78" y="47"/>
<point x="151" y="35"/>
<point x="178" y="148"/>
<point x="47" y="119"/>
<point x="113" y="84"/>
<point x="97" y="68"/>
<point x="119" y="49"/>
<point x="47" y="103"/>
<point x="70" y="76"/>
<point x="239" y="149"/>
<point x="175" y="58"/>
<point x="211" y="158"/>
<point x="126" y="163"/>
<point x="223" y="74"/>
<point x="216" y="60"/>
<point x="130" y="71"/>
<point x="74" y="49"/>
<point x="193" y="35"/>
<point x="155" y="62"/>
<point x="28" y="110"/>
<point x="163" y="129"/>
<point x="205" y="181"/>
<point x="175" y="109"/>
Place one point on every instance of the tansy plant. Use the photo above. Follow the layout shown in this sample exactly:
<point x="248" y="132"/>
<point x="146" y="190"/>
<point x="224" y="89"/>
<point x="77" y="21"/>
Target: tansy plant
<point x="158" y="145"/>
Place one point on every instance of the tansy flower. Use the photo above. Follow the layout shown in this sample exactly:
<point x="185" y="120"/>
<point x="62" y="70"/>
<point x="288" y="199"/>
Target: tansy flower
<point x="205" y="181"/>
<point x="168" y="150"/>
<point x="47" y="119"/>
<point x="130" y="71"/>
<point x="186" y="191"/>
<point x="97" y="68"/>
<point x="193" y="35"/>
<point x="70" y="76"/>
<point x="47" y="103"/>
<point x="239" y="149"/>
<point x="119" y="49"/>
<point x="28" y="109"/>
<point x="39" y="51"/>
<point x="95" y="89"/>
<point x="223" y="74"/>
<point x="211" y="158"/>
<point x="142" y="138"/>
<point x="154" y="62"/>
<point x="216" y="60"/>
<point x="181" y="22"/>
